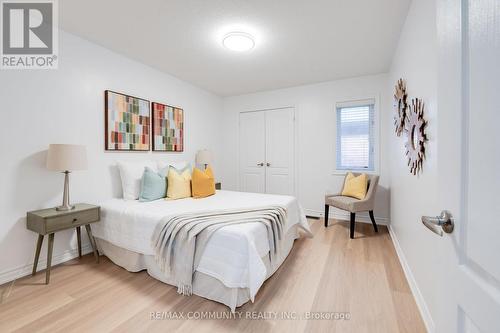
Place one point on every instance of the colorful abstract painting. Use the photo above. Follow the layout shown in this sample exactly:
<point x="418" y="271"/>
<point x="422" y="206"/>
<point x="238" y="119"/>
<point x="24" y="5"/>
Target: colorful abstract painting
<point x="168" y="128"/>
<point x="127" y="122"/>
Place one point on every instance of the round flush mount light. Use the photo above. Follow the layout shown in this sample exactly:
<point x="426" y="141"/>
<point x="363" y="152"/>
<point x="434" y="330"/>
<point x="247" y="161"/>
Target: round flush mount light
<point x="238" y="41"/>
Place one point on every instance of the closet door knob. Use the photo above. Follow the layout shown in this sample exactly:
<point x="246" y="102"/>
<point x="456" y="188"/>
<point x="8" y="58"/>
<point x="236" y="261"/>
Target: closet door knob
<point x="268" y="164"/>
<point x="260" y="164"/>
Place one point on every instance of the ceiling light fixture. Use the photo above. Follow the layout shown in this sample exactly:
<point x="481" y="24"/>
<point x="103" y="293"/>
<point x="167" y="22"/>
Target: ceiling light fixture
<point x="238" y="41"/>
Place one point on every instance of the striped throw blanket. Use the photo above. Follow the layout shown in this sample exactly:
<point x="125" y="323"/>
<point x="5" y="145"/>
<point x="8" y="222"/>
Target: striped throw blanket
<point x="180" y="241"/>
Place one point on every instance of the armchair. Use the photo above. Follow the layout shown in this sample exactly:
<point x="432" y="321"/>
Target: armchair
<point x="354" y="205"/>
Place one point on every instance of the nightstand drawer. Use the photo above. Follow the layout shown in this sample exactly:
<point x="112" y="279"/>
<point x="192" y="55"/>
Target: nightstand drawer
<point x="71" y="220"/>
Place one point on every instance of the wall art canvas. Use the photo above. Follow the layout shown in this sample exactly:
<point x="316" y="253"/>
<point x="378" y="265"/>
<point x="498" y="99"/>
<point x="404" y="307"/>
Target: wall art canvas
<point x="127" y="122"/>
<point x="168" y="128"/>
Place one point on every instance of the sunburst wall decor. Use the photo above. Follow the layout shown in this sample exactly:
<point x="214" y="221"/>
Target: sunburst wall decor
<point x="400" y="106"/>
<point x="415" y="136"/>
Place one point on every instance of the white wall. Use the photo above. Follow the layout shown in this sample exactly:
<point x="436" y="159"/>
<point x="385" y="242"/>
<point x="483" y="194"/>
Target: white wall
<point x="411" y="197"/>
<point x="315" y="121"/>
<point x="67" y="106"/>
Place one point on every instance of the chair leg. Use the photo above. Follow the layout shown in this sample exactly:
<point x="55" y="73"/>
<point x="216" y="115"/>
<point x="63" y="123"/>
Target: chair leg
<point x="353" y="221"/>
<point x="373" y="221"/>
<point x="327" y="208"/>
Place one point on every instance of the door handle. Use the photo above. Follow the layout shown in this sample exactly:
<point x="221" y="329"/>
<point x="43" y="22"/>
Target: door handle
<point x="260" y="164"/>
<point x="268" y="164"/>
<point x="445" y="221"/>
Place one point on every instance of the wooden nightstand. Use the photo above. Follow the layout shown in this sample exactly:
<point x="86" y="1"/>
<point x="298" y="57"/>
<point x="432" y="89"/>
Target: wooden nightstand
<point x="48" y="221"/>
<point x="218" y="186"/>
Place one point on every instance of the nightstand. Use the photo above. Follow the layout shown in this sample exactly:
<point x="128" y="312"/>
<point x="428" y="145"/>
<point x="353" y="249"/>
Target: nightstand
<point x="49" y="221"/>
<point x="218" y="186"/>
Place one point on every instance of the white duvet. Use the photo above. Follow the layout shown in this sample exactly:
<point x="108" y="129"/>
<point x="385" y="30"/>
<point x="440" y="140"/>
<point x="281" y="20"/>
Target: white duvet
<point x="232" y="255"/>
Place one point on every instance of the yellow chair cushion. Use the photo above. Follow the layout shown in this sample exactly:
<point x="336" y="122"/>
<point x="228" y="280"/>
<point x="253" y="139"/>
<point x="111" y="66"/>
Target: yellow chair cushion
<point x="203" y="183"/>
<point x="179" y="184"/>
<point x="355" y="186"/>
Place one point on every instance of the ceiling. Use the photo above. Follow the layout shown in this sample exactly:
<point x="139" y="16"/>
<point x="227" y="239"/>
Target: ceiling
<point x="297" y="42"/>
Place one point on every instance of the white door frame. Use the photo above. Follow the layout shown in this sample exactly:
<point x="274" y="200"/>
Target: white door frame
<point x="295" y="144"/>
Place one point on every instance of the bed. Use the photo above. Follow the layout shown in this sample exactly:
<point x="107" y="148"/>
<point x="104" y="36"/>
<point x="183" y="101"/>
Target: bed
<point x="235" y="262"/>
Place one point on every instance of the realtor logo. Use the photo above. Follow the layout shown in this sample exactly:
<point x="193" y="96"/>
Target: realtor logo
<point x="29" y="34"/>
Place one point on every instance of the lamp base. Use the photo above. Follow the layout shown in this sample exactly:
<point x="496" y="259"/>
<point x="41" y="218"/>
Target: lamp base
<point x="65" y="208"/>
<point x="65" y="204"/>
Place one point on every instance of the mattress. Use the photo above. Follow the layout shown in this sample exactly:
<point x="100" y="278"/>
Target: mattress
<point x="233" y="255"/>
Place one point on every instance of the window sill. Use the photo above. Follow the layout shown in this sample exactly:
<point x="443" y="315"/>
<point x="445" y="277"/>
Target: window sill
<point x="344" y="172"/>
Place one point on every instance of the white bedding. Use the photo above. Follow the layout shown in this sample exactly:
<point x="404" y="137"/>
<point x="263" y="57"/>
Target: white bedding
<point x="232" y="255"/>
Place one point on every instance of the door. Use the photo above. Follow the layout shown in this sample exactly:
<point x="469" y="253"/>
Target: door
<point x="469" y="164"/>
<point x="267" y="151"/>
<point x="252" y="152"/>
<point x="280" y="151"/>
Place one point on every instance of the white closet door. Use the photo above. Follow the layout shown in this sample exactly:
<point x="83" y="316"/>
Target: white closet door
<point x="280" y="151"/>
<point x="252" y="152"/>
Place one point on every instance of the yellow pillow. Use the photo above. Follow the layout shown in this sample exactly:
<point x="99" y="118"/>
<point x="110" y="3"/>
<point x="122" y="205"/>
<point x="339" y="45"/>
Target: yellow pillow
<point x="355" y="186"/>
<point x="179" y="184"/>
<point x="203" y="183"/>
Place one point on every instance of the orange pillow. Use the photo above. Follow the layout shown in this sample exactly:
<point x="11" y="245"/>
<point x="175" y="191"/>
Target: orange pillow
<point x="203" y="183"/>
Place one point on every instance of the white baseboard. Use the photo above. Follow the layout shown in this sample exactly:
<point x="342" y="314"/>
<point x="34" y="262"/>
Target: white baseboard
<point x="363" y="218"/>
<point x="419" y="299"/>
<point x="21" y="271"/>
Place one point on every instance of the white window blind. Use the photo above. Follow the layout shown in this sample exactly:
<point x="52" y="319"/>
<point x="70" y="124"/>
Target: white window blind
<point x="355" y="136"/>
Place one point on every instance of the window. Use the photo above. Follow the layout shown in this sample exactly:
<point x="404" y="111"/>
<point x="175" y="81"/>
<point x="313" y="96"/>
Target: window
<point x="355" y="136"/>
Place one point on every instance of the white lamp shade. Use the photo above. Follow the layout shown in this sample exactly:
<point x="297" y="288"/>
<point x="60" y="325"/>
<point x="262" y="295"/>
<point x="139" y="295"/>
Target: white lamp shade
<point x="62" y="157"/>
<point x="203" y="156"/>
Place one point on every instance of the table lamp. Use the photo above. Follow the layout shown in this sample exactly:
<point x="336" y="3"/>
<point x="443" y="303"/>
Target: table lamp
<point x="203" y="157"/>
<point x="66" y="158"/>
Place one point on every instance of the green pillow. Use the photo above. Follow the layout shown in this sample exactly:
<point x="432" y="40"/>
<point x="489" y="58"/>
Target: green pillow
<point x="153" y="185"/>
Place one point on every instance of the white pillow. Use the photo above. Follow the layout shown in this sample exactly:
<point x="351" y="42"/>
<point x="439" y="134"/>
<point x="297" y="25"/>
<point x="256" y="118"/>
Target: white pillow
<point x="178" y="165"/>
<point x="131" y="174"/>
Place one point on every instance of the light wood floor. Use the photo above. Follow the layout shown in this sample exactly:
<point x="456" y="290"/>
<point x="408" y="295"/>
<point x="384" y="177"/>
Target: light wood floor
<point x="329" y="273"/>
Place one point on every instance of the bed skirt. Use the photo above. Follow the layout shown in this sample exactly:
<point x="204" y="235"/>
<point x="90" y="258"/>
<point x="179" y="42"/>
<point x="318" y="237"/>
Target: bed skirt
<point x="204" y="285"/>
